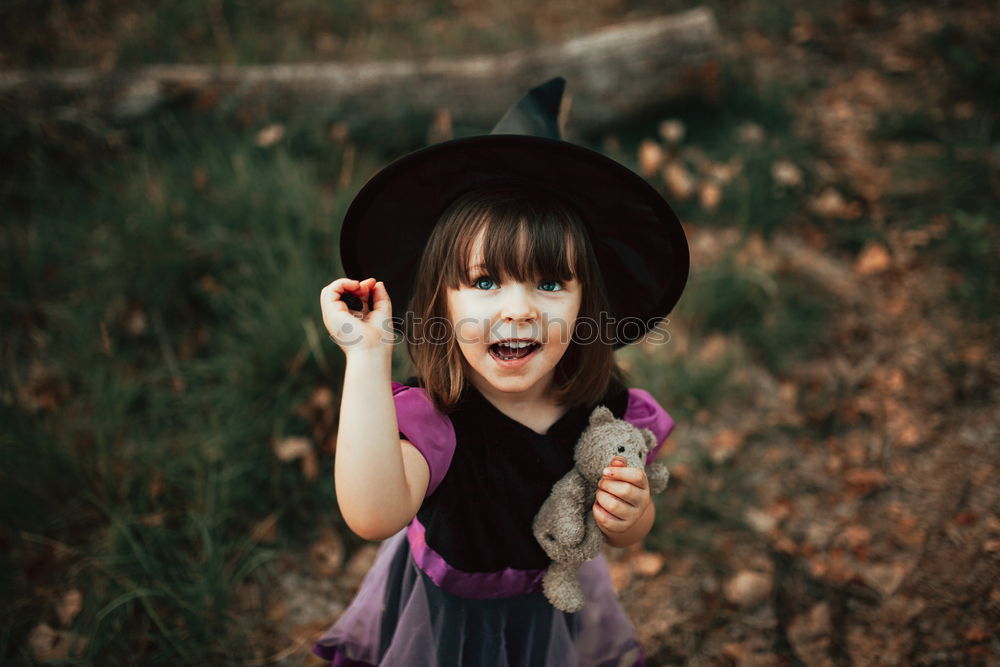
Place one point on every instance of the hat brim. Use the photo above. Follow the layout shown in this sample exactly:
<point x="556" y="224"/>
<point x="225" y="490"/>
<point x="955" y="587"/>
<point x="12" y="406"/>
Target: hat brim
<point x="637" y="238"/>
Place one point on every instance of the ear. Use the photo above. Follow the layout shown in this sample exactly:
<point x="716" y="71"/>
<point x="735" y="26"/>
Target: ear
<point x="650" y="439"/>
<point x="601" y="415"/>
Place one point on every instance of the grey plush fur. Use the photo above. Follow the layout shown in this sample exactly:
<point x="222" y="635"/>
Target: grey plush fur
<point x="565" y="525"/>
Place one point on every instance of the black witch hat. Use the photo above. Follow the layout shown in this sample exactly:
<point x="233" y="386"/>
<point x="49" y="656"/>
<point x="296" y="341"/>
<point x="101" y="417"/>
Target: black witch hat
<point x="638" y="240"/>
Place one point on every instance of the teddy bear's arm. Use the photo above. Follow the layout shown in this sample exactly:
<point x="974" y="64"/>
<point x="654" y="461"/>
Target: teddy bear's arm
<point x="658" y="476"/>
<point x="563" y="513"/>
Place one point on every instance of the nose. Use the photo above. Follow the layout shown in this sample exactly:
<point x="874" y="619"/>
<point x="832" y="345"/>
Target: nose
<point x="517" y="304"/>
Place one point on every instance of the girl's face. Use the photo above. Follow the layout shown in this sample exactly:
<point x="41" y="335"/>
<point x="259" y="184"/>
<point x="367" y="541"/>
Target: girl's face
<point x="487" y="310"/>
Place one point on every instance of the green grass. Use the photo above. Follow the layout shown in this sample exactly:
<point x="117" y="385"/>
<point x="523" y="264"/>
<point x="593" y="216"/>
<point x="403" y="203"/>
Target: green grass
<point x="157" y="463"/>
<point x="781" y="317"/>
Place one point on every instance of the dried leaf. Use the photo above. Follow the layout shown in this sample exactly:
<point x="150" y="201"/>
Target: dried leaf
<point x="725" y="443"/>
<point x="786" y="174"/>
<point x="762" y="522"/>
<point x="292" y="448"/>
<point x="326" y="555"/>
<point x="853" y="537"/>
<point x="621" y="574"/>
<point x="810" y="634"/>
<point x="678" y="180"/>
<point x="50" y="645"/>
<point x="136" y="321"/>
<point x="672" y="131"/>
<point x="829" y="204"/>
<point x="310" y="466"/>
<point x="750" y="133"/>
<point x="265" y="530"/>
<point x="270" y="135"/>
<point x="42" y="390"/>
<point x="441" y="128"/>
<point x="69" y="606"/>
<point x="748" y="588"/>
<point x="651" y="157"/>
<point x="884" y="577"/>
<point x="874" y="258"/>
<point x="156" y="485"/>
<point x="647" y="563"/>
<point x="864" y="480"/>
<point x="710" y="195"/>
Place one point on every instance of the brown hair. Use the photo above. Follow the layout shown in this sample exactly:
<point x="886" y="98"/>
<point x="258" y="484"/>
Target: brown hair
<point x="526" y="232"/>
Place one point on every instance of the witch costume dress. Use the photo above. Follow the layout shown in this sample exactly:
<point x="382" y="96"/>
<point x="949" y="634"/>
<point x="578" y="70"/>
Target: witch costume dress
<point x="461" y="584"/>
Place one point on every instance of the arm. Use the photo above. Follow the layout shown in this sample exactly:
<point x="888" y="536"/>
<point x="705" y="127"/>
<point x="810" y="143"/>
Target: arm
<point x="380" y="480"/>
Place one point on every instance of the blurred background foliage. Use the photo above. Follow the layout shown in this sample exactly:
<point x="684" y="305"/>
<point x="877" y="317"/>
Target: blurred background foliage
<point x="163" y="356"/>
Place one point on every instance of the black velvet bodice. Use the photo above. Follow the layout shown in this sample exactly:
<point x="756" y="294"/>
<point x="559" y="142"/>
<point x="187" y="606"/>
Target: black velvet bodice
<point x="479" y="518"/>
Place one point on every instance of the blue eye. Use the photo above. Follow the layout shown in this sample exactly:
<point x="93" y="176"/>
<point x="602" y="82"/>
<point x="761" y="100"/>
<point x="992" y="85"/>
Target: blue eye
<point x="477" y="283"/>
<point x="557" y="286"/>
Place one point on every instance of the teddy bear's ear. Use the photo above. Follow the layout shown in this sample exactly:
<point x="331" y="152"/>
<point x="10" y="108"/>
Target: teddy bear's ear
<point x="650" y="439"/>
<point x="601" y="415"/>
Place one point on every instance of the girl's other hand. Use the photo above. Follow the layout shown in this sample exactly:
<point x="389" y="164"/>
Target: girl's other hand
<point x="353" y="330"/>
<point x="622" y="497"/>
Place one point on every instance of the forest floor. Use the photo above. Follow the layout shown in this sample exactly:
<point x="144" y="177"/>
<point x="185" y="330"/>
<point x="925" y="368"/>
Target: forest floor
<point x="878" y="540"/>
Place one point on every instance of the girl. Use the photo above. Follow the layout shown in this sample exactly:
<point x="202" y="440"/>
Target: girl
<point x="506" y="249"/>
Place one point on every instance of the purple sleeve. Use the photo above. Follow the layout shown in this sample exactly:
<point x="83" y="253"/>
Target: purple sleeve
<point x="430" y="432"/>
<point x="644" y="411"/>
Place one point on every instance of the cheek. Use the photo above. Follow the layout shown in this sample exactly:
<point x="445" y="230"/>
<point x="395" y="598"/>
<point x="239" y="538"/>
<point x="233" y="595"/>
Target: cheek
<point x="468" y="331"/>
<point x="559" y="331"/>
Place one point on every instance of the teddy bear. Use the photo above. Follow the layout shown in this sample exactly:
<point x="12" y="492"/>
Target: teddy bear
<point x="565" y="526"/>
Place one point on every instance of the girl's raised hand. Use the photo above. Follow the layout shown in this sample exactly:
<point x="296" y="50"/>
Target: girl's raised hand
<point x="353" y="330"/>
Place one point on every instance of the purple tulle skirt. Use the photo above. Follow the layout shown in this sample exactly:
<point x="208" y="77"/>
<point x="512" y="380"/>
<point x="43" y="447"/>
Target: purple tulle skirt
<point x="401" y="617"/>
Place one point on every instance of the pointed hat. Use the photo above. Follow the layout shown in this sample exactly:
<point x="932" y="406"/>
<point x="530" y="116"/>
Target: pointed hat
<point x="638" y="240"/>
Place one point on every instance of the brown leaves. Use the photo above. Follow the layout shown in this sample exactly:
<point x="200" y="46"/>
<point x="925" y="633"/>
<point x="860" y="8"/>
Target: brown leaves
<point x="748" y="588"/>
<point x="48" y="644"/>
<point x="326" y="555"/>
<point x="42" y="390"/>
<point x="874" y="258"/>
<point x="270" y="135"/>
<point x="810" y="635"/>
<point x="298" y="449"/>
<point x="725" y="443"/>
<point x="69" y="606"/>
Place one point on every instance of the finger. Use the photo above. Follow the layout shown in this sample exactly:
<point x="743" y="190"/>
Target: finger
<point x="636" y="476"/>
<point x="613" y="505"/>
<point x="382" y="302"/>
<point x="329" y="299"/>
<point x="344" y="285"/>
<point x="364" y="289"/>
<point x="628" y="493"/>
<point x="608" y="522"/>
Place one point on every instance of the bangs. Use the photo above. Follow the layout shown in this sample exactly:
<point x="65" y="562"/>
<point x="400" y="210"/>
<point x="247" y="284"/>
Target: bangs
<point x="520" y="238"/>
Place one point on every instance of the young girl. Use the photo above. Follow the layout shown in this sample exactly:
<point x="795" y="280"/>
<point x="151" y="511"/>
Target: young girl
<point x="524" y="261"/>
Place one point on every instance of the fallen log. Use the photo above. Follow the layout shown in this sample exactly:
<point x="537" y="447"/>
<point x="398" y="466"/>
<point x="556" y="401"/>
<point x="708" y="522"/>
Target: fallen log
<point x="613" y="74"/>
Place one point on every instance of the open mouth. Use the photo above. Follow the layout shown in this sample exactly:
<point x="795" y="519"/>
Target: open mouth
<point x="510" y="350"/>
